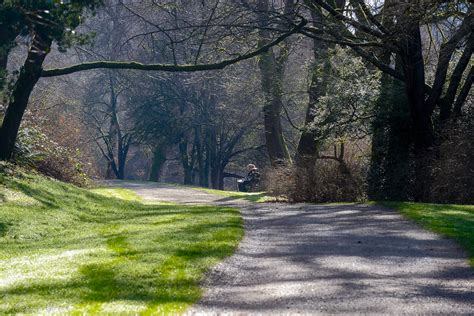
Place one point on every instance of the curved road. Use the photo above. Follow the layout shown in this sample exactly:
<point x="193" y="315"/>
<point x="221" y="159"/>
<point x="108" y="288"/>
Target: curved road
<point x="328" y="259"/>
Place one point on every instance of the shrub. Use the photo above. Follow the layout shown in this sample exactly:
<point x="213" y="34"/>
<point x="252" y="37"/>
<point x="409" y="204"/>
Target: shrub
<point x="326" y="180"/>
<point x="453" y="172"/>
<point x="35" y="150"/>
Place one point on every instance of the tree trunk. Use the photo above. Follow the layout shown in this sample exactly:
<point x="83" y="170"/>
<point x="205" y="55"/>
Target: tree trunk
<point x="308" y="146"/>
<point x="276" y="146"/>
<point x="201" y="157"/>
<point x="18" y="101"/>
<point x="221" y="179"/>
<point x="159" y="158"/>
<point x="124" y="145"/>
<point x="7" y="38"/>
<point x="272" y="72"/>
<point x="390" y="170"/>
<point x="214" y="177"/>
<point x="376" y="174"/>
<point x="307" y="151"/>
<point x="187" y="167"/>
<point x="217" y="177"/>
<point x="421" y="114"/>
<point x="398" y="167"/>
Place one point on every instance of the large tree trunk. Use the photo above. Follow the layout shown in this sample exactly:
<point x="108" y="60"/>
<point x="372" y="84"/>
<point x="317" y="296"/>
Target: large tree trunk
<point x="398" y="167"/>
<point x="272" y="69"/>
<point x="276" y="146"/>
<point x="308" y="146"/>
<point x="421" y="114"/>
<point x="29" y="76"/>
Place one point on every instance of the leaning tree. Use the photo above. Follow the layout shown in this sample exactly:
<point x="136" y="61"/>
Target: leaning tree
<point x="50" y="21"/>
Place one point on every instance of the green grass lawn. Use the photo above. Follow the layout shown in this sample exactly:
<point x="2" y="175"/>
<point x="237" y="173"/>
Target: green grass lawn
<point x="257" y="197"/>
<point x="453" y="221"/>
<point x="68" y="250"/>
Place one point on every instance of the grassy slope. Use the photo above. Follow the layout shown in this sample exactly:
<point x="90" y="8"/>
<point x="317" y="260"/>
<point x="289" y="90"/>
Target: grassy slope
<point x="453" y="221"/>
<point x="65" y="249"/>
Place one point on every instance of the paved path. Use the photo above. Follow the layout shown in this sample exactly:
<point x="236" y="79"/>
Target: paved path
<point x="329" y="259"/>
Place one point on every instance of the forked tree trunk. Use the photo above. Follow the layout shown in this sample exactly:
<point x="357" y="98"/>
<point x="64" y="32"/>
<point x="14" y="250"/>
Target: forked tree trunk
<point x="18" y="101"/>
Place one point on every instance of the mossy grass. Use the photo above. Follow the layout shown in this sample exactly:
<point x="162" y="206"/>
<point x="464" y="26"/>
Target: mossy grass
<point x="67" y="250"/>
<point x="453" y="221"/>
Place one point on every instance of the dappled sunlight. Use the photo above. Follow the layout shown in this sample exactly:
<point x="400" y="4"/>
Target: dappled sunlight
<point x="339" y="259"/>
<point x="38" y="268"/>
<point x="78" y="252"/>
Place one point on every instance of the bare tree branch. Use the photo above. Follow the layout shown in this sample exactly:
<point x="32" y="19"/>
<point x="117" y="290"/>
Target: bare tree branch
<point x="166" y="67"/>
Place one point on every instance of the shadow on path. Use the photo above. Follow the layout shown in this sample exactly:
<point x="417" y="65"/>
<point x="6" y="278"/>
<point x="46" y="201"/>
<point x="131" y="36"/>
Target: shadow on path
<point x="330" y="259"/>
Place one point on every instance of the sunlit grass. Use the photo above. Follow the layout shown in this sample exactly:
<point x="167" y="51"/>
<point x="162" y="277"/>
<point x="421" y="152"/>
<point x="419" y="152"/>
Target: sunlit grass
<point x="118" y="193"/>
<point x="453" y="221"/>
<point x="256" y="197"/>
<point x="69" y="250"/>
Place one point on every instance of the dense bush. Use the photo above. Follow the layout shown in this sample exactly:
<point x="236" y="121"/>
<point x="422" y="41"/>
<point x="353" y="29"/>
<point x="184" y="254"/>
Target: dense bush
<point x="327" y="180"/>
<point x="453" y="172"/>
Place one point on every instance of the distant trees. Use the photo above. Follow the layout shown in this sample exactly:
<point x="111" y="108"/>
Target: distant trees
<point x="208" y="129"/>
<point x="106" y="114"/>
<point x="49" y="21"/>
<point x="395" y="74"/>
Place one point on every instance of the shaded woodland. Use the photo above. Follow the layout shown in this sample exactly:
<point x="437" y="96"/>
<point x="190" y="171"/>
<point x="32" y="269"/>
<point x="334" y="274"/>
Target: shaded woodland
<point x="334" y="100"/>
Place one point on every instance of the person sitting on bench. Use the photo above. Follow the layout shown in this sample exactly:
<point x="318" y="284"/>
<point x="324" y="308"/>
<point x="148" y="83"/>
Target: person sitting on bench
<point x="251" y="181"/>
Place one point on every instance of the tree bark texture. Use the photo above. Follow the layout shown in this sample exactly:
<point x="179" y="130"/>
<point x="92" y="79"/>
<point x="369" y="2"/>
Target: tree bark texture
<point x="272" y="67"/>
<point x="18" y="100"/>
<point x="421" y="113"/>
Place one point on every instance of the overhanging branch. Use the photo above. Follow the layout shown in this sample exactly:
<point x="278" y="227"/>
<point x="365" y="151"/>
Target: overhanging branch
<point x="167" y="67"/>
